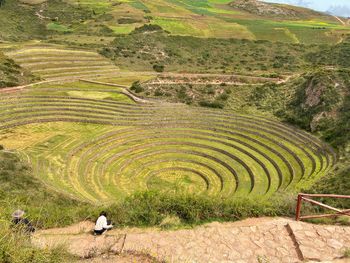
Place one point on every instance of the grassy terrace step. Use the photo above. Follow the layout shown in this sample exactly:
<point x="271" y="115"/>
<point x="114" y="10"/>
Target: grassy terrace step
<point x="100" y="146"/>
<point x="78" y="73"/>
<point x="185" y="152"/>
<point x="211" y="140"/>
<point x="49" y="71"/>
<point x="72" y="109"/>
<point x="57" y="62"/>
<point x="52" y="60"/>
<point x="95" y="112"/>
<point x="58" y="57"/>
<point x="143" y="117"/>
<point x="108" y="147"/>
<point x="184" y="138"/>
<point x="29" y="52"/>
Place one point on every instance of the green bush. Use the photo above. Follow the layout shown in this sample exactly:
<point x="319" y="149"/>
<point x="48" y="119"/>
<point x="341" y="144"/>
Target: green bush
<point x="147" y="28"/>
<point x="224" y="96"/>
<point x="127" y="20"/>
<point x="211" y="104"/>
<point x="158" y="68"/>
<point x="136" y="86"/>
<point x="158" y="92"/>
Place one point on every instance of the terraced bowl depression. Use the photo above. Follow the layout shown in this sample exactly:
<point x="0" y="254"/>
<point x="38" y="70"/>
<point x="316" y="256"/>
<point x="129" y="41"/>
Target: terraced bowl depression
<point x="100" y="146"/>
<point x="53" y="62"/>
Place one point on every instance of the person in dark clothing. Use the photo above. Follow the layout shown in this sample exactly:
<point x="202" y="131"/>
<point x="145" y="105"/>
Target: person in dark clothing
<point x="102" y="224"/>
<point x="24" y="224"/>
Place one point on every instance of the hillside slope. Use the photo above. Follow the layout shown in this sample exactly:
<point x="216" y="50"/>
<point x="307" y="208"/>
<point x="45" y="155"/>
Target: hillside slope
<point x="318" y="101"/>
<point x="11" y="74"/>
<point x="71" y="19"/>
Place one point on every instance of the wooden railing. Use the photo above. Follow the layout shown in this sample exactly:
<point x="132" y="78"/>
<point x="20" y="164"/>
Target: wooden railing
<point x="308" y="198"/>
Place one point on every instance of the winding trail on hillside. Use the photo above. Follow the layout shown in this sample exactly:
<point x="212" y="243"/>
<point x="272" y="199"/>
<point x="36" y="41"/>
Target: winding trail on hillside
<point x="341" y="21"/>
<point x="265" y="239"/>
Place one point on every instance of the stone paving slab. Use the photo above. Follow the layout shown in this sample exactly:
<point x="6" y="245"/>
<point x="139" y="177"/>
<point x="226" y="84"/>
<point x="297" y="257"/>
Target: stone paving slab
<point x="217" y="243"/>
<point x="319" y="242"/>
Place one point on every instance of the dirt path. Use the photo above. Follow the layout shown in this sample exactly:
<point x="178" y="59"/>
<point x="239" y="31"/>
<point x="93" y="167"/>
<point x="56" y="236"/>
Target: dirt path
<point x="19" y="88"/>
<point x="164" y="82"/>
<point x="341" y="21"/>
<point x="252" y="240"/>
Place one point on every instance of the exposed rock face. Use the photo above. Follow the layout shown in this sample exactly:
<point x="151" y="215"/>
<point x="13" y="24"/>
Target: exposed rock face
<point x="263" y="9"/>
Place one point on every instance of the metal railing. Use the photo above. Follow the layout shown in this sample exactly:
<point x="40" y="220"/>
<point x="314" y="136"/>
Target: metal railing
<point x="308" y="198"/>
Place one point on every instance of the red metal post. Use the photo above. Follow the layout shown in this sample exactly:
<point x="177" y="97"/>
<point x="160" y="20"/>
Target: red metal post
<point x="298" y="210"/>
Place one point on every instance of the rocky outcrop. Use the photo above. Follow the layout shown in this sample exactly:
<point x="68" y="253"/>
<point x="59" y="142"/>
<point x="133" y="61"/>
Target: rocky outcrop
<point x="263" y="9"/>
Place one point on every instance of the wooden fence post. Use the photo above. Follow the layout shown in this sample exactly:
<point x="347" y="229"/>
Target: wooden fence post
<point x="298" y="210"/>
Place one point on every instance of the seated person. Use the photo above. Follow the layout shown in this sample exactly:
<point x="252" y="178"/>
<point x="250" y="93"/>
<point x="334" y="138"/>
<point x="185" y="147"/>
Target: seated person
<point x="23" y="223"/>
<point x="102" y="224"/>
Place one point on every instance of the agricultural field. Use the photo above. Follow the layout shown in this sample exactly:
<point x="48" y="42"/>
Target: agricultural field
<point x="94" y="143"/>
<point x="214" y="19"/>
<point x="218" y="19"/>
<point x="53" y="62"/>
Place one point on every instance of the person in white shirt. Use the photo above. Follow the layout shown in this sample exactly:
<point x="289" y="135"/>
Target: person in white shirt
<point x="102" y="224"/>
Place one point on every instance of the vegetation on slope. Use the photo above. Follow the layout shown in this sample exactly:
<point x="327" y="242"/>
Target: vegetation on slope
<point x="11" y="74"/>
<point x="22" y="21"/>
<point x="318" y="101"/>
<point x="20" y="190"/>
<point x="189" y="54"/>
<point x="332" y="56"/>
<point x="19" y="22"/>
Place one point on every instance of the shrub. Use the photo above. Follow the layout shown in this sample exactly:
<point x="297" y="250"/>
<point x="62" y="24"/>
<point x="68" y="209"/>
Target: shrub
<point x="158" y="68"/>
<point x="224" y="96"/>
<point x="347" y="253"/>
<point x="209" y="104"/>
<point x="209" y="90"/>
<point x="127" y="20"/>
<point x="147" y="28"/>
<point x="158" y="92"/>
<point x="136" y="86"/>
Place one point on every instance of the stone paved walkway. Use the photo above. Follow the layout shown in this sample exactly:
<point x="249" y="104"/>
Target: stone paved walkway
<point x="252" y="240"/>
